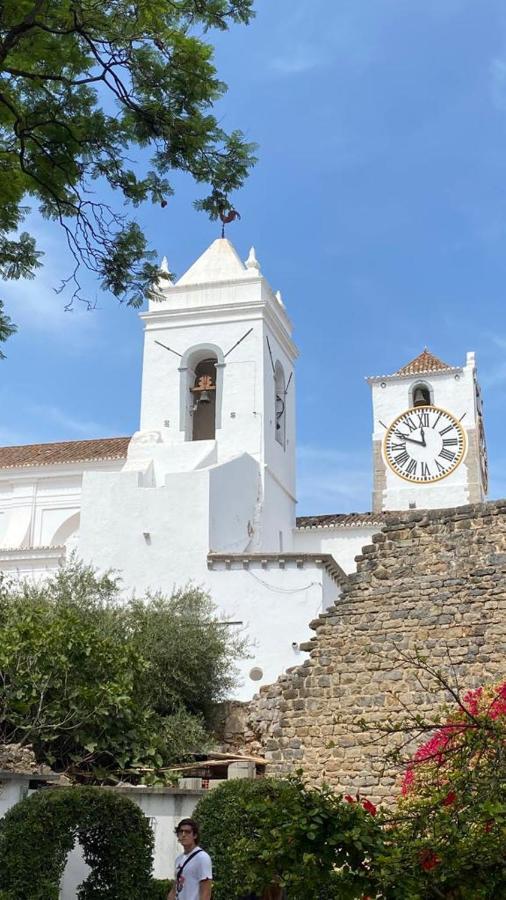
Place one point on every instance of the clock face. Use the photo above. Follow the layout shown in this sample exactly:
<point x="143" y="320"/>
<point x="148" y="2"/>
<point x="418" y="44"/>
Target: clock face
<point x="424" y="444"/>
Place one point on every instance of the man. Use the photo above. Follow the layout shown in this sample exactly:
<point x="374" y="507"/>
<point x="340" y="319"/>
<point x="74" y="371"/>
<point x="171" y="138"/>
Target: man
<point x="194" y="874"/>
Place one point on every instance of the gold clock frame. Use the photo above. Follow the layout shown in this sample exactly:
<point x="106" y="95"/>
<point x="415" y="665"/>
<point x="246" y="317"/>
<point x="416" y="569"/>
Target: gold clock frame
<point x="414" y="410"/>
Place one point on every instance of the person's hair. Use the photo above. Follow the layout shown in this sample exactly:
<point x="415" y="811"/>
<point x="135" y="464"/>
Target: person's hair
<point x="192" y="824"/>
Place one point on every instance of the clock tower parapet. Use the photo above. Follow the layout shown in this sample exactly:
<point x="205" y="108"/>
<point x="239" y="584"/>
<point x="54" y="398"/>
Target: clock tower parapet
<point x="428" y="436"/>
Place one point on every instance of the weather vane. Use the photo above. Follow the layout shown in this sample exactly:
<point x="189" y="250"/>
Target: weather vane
<point x="227" y="215"/>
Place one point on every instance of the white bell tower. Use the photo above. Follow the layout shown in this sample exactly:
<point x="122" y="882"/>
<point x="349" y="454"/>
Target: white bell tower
<point x="429" y="446"/>
<point x="212" y="467"/>
<point x="218" y="382"/>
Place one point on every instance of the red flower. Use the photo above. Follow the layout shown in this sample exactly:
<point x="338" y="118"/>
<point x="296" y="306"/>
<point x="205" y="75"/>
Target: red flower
<point x="349" y="798"/>
<point x="488" y="826"/>
<point x="369" y="807"/>
<point x="450" y="799"/>
<point x="429" y="860"/>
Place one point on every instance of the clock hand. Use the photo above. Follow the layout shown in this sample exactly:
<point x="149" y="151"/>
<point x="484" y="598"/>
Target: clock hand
<point x="410" y="439"/>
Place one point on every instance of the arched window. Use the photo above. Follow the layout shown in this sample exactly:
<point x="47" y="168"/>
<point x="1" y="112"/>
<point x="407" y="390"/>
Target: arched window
<point x="420" y="394"/>
<point x="280" y="404"/>
<point x="201" y="392"/>
<point x="204" y="400"/>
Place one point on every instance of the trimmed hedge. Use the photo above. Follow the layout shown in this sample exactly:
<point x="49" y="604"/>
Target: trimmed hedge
<point x="224" y="818"/>
<point x="159" y="889"/>
<point x="38" y="833"/>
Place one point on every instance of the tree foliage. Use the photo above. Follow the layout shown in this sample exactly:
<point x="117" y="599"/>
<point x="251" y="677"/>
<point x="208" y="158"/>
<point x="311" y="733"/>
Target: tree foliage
<point x="85" y="86"/>
<point x="95" y="684"/>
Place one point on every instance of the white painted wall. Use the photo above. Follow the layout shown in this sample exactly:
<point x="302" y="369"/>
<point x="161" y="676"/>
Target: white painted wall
<point x="343" y="543"/>
<point x="275" y="605"/>
<point x="38" y="503"/>
<point x="32" y="563"/>
<point x="13" y="788"/>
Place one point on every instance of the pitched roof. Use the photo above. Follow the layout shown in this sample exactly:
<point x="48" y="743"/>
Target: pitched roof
<point x="424" y="362"/>
<point x="63" y="452"/>
<point x="344" y="520"/>
<point x="220" y="262"/>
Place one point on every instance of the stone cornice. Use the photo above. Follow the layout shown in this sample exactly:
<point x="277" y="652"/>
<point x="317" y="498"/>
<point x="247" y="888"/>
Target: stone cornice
<point x="240" y="311"/>
<point x="414" y="376"/>
<point x="25" y="553"/>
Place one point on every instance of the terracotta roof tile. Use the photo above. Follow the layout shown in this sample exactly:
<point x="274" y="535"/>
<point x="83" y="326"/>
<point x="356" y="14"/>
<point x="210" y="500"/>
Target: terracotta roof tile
<point x="343" y="520"/>
<point x="425" y="362"/>
<point x="63" y="452"/>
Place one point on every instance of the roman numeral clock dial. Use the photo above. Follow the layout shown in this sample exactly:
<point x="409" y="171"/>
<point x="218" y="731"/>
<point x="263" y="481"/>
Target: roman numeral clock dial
<point x="424" y="444"/>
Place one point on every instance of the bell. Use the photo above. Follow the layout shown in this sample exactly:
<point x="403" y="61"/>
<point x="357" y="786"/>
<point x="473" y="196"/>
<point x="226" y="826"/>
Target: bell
<point x="204" y="397"/>
<point x="420" y="398"/>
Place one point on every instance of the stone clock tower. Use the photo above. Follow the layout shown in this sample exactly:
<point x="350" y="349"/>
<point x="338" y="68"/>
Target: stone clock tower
<point x="428" y="437"/>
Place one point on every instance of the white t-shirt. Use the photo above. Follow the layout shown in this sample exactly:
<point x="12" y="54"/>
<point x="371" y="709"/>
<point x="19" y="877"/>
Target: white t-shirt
<point x="198" y="869"/>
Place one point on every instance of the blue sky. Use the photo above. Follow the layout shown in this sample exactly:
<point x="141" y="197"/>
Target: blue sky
<point x="378" y="207"/>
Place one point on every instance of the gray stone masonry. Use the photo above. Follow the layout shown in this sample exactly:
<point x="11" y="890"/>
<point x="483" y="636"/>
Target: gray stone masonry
<point x="432" y="581"/>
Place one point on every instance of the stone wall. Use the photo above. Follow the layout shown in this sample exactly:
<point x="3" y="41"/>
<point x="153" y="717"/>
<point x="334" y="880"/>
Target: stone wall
<point x="432" y="581"/>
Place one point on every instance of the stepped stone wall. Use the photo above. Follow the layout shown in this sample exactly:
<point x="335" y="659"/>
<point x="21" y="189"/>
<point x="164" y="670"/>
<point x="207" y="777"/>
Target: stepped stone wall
<point x="433" y="581"/>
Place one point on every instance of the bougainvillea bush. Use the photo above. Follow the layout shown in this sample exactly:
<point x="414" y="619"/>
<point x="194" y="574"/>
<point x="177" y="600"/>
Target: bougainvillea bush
<point x="448" y="836"/>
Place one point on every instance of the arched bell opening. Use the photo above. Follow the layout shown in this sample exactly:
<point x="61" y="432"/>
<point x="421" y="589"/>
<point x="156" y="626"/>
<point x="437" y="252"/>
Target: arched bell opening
<point x="421" y="394"/>
<point x="204" y="400"/>
<point x="200" y="402"/>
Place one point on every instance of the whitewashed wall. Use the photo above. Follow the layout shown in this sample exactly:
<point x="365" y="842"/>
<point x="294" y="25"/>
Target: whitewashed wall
<point x="343" y="543"/>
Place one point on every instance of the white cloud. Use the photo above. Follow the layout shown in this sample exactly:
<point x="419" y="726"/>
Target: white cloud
<point x="330" y="481"/>
<point x="313" y="35"/>
<point x="35" y="306"/>
<point x="302" y="60"/>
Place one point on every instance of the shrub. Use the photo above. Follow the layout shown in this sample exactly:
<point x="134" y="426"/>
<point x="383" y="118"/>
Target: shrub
<point x="159" y="889"/>
<point x="224" y="817"/>
<point x="280" y="832"/>
<point x="448" y="839"/>
<point x="37" y="835"/>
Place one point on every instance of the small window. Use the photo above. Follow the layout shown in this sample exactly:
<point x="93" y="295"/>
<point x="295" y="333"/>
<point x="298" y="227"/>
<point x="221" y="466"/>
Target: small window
<point x="280" y="404"/>
<point x="204" y="401"/>
<point x="421" y="395"/>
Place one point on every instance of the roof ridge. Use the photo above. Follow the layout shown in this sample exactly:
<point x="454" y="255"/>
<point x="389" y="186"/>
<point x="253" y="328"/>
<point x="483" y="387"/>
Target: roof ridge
<point x="424" y="362"/>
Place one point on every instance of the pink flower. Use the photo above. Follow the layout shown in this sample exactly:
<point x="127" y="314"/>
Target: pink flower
<point x="369" y="807"/>
<point x="407" y="782"/>
<point x="429" y="860"/>
<point x="471" y="701"/>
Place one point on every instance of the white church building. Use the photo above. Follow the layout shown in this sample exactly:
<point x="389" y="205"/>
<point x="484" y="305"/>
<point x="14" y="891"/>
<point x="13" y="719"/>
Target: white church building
<point x="205" y="490"/>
